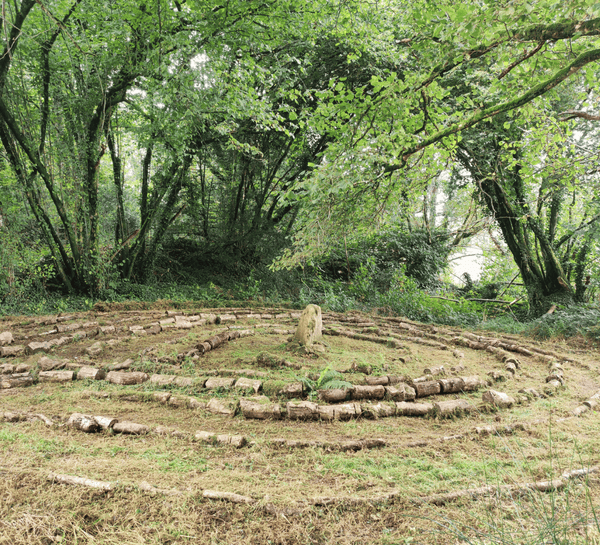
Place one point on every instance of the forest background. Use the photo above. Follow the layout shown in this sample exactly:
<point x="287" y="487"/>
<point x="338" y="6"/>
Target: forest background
<point x="341" y="153"/>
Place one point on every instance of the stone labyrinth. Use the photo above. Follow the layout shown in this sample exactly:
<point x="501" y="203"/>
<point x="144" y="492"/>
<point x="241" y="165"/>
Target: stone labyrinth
<point x="229" y="383"/>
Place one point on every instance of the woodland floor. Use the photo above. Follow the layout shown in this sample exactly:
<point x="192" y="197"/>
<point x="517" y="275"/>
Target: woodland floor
<point x="274" y="490"/>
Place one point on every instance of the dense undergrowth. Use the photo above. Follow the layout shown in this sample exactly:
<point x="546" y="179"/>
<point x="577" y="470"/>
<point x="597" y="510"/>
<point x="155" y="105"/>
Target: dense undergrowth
<point x="391" y="293"/>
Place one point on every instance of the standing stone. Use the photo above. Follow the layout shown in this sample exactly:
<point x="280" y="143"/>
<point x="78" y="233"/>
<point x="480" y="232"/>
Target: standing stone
<point x="310" y="327"/>
<point x="6" y="338"/>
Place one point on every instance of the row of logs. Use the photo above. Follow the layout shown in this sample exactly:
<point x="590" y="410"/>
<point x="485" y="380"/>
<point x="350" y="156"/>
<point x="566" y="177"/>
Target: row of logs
<point x="221" y="338"/>
<point x="588" y="405"/>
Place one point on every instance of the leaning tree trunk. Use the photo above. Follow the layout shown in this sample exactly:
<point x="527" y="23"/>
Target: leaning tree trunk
<point x="503" y="192"/>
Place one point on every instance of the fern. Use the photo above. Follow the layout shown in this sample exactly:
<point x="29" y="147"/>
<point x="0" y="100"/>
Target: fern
<point x="329" y="379"/>
<point x="335" y="384"/>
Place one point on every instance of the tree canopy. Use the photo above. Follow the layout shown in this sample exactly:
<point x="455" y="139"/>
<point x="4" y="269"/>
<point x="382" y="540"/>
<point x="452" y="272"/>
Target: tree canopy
<point x="239" y="124"/>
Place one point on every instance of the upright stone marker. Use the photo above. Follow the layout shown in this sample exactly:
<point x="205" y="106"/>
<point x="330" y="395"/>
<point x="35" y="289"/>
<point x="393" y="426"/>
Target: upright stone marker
<point x="310" y="327"/>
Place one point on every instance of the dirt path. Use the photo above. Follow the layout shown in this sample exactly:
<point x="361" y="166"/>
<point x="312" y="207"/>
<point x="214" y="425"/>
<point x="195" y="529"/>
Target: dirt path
<point x="209" y="435"/>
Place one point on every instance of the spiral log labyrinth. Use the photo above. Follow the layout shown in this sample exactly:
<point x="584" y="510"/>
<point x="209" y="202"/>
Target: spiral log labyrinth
<point x="217" y="413"/>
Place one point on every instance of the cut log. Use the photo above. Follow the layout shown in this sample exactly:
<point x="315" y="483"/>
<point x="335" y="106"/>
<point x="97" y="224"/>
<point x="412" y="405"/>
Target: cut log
<point x="404" y="408"/>
<point x="154" y="491"/>
<point x="452" y="407"/>
<point x="400" y="392"/>
<point x="368" y="392"/>
<point x="47" y="364"/>
<point x="237" y="441"/>
<point x="81" y="481"/>
<point x="591" y="403"/>
<point x="471" y="383"/>
<point x="105" y="422"/>
<point x="11" y="416"/>
<point x="248" y="384"/>
<point x="12" y="381"/>
<point x="377" y="381"/>
<point x="7" y="369"/>
<point x="302" y="410"/>
<point x="35" y="347"/>
<point x="434" y="371"/>
<point x="555" y="376"/>
<point x="335" y="395"/>
<point x="6" y="337"/>
<point x="226" y="496"/>
<point x="164" y="430"/>
<point x="14" y="350"/>
<point x="378" y="410"/>
<point x="184" y="382"/>
<point x="120" y="366"/>
<point x="295" y="389"/>
<point x="203" y="347"/>
<point x="497" y="376"/>
<point x="56" y="376"/>
<point x="130" y="428"/>
<point x="83" y="422"/>
<point x="429" y="388"/>
<point x="451" y="385"/>
<point x="126" y="378"/>
<point x="498" y="399"/>
<point x="214" y="383"/>
<point x="552" y="387"/>
<point x="260" y="408"/>
<point x="343" y="411"/>
<point x="162" y="380"/>
<point x="222" y="407"/>
<point x="577" y="411"/>
<point x="95" y="349"/>
<point x="195" y="404"/>
<point x="91" y="373"/>
<point x="161" y="397"/>
<point x="179" y="402"/>
<point x="530" y="392"/>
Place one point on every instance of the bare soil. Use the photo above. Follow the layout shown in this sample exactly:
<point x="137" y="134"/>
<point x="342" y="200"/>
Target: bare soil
<point x="468" y="477"/>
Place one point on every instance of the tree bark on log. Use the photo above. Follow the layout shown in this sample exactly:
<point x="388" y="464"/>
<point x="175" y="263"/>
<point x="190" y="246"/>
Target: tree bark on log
<point x="400" y="392"/>
<point x="227" y="496"/>
<point x="15" y="382"/>
<point x="302" y="410"/>
<point x="472" y="383"/>
<point x="248" y="384"/>
<point x="336" y="395"/>
<point x="498" y="399"/>
<point x="451" y="407"/>
<point x="83" y="422"/>
<point x="377" y="381"/>
<point x="404" y="408"/>
<point x="55" y="376"/>
<point x="368" y="392"/>
<point x="81" y="481"/>
<point x="222" y="407"/>
<point x="451" y="385"/>
<point x="130" y="428"/>
<point x="214" y="383"/>
<point x="261" y="410"/>
<point x="91" y="373"/>
<point x="378" y="410"/>
<point x="126" y="378"/>
<point x="429" y="388"/>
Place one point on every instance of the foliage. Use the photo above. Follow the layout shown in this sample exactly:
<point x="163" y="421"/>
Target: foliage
<point x="329" y="379"/>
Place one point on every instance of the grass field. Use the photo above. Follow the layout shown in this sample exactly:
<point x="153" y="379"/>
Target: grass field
<point x="472" y="477"/>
